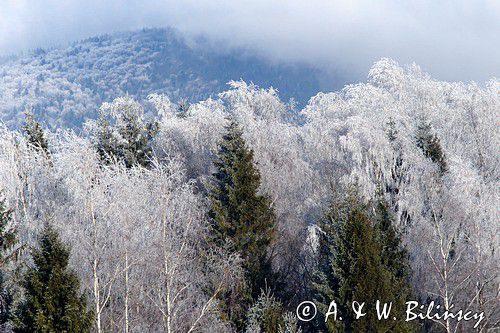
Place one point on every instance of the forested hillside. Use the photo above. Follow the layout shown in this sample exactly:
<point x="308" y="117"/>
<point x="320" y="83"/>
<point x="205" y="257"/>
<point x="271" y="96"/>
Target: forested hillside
<point x="223" y="215"/>
<point x="66" y="85"/>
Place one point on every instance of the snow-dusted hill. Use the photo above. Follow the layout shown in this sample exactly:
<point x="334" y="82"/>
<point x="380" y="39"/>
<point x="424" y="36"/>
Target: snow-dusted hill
<point x="67" y="85"/>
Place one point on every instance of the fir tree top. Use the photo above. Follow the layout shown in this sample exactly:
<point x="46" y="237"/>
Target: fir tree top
<point x="52" y="291"/>
<point x="242" y="217"/>
<point x="236" y="205"/>
<point x="34" y="132"/>
<point x="430" y="145"/>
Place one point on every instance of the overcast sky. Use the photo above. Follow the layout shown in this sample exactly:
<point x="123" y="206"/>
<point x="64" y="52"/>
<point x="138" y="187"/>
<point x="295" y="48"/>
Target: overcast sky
<point x="450" y="39"/>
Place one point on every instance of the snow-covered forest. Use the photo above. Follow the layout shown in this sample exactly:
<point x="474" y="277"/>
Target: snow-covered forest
<point x="139" y="199"/>
<point x="65" y="85"/>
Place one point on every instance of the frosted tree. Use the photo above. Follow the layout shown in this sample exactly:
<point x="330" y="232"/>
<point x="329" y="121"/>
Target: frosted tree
<point x="34" y="132"/>
<point x="428" y="142"/>
<point x="431" y="148"/>
<point x="85" y="221"/>
<point x="265" y="315"/>
<point x="140" y="236"/>
<point x="183" y="107"/>
<point x="122" y="132"/>
<point x="7" y="254"/>
<point x="269" y="130"/>
<point x="182" y="287"/>
<point x="192" y="138"/>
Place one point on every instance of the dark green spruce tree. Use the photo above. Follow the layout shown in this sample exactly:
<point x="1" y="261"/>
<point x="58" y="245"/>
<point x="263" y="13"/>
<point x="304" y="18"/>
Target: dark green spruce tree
<point x="7" y="243"/>
<point x="395" y="259"/>
<point x="242" y="216"/>
<point x="127" y="140"/>
<point x="394" y="254"/>
<point x="53" y="302"/>
<point x="430" y="145"/>
<point x="352" y="267"/>
<point x="34" y="133"/>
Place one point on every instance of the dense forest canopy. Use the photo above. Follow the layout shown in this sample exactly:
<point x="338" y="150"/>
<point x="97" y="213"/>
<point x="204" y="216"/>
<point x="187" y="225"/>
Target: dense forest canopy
<point x="131" y="196"/>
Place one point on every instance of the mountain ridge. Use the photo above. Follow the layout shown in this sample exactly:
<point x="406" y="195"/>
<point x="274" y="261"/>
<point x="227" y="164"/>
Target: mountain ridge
<point x="66" y="85"/>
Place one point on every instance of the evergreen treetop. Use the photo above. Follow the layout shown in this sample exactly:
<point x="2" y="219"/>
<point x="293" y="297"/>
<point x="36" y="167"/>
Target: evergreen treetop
<point x="183" y="108"/>
<point x="394" y="254"/>
<point x="34" y="132"/>
<point x="430" y="145"/>
<point x="53" y="302"/>
<point x="241" y="216"/>
<point x="123" y="133"/>
<point x="353" y="266"/>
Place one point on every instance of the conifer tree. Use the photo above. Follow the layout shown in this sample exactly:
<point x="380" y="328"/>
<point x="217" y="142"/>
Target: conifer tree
<point x="53" y="302"/>
<point x="240" y="215"/>
<point x="106" y="144"/>
<point x="183" y="108"/>
<point x="34" y="132"/>
<point x="430" y="145"/>
<point x="128" y="136"/>
<point x="136" y="136"/>
<point x="394" y="254"/>
<point x="265" y="315"/>
<point x="395" y="259"/>
<point x="351" y="268"/>
<point x="7" y="242"/>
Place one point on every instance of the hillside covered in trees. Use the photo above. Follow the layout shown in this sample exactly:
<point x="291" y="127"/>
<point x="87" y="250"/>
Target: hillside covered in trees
<point x="224" y="214"/>
<point x="66" y="85"/>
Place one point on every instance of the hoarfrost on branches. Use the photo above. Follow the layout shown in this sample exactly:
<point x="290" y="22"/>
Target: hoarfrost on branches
<point x="138" y="232"/>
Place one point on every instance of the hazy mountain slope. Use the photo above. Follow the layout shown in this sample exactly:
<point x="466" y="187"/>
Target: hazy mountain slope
<point x="66" y="85"/>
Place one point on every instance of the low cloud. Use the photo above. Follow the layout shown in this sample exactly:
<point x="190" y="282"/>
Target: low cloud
<point x="451" y="39"/>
